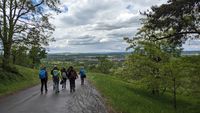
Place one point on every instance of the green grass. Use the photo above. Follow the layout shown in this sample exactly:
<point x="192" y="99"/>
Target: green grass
<point x="130" y="98"/>
<point x="10" y="82"/>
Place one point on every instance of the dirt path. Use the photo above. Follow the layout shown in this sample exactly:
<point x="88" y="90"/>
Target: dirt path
<point x="85" y="100"/>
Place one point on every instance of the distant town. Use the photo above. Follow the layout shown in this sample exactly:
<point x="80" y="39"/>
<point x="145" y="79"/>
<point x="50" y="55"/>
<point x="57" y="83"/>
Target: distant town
<point x="113" y="56"/>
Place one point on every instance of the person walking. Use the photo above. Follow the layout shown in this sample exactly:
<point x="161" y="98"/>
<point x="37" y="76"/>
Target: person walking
<point x="64" y="78"/>
<point x="56" y="75"/>
<point x="43" y="75"/>
<point x="82" y="75"/>
<point x="72" y="77"/>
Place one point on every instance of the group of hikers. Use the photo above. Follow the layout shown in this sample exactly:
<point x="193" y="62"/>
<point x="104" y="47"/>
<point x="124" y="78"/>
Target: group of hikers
<point x="61" y="77"/>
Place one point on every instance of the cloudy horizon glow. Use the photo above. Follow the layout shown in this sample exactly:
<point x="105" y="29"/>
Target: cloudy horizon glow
<point x="88" y="26"/>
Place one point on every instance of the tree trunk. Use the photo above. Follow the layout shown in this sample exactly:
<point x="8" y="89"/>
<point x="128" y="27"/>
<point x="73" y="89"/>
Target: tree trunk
<point x="174" y="88"/>
<point x="6" y="56"/>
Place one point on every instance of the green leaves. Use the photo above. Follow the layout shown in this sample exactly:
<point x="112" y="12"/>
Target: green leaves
<point x="25" y="22"/>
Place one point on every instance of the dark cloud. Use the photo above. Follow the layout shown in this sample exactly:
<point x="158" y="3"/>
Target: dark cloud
<point x="133" y="21"/>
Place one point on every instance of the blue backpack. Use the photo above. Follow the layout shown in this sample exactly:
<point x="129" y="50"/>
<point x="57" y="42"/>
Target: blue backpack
<point x="82" y="73"/>
<point x="42" y="74"/>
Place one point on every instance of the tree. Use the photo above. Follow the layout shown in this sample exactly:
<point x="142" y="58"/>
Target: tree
<point x="173" y="22"/>
<point x="36" y="54"/>
<point x="18" y="17"/>
<point x="144" y="65"/>
<point x="104" y="65"/>
<point x="19" y="55"/>
<point x="176" y="73"/>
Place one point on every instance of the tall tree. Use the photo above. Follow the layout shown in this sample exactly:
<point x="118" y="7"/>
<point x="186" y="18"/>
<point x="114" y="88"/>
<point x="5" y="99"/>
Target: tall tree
<point x="174" y="22"/>
<point x="18" y="17"/>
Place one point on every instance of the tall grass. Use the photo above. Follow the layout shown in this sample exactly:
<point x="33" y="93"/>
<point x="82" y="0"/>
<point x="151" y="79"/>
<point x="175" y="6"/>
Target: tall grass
<point x="130" y="98"/>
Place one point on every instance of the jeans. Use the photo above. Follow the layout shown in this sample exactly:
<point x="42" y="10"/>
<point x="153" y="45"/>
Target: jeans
<point x="56" y="85"/>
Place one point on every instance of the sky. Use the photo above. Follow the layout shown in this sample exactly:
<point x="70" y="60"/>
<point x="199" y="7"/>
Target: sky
<point x="88" y="26"/>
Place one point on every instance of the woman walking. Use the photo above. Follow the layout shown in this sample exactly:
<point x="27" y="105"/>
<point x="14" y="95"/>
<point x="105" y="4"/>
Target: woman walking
<point x="72" y="77"/>
<point x="64" y="78"/>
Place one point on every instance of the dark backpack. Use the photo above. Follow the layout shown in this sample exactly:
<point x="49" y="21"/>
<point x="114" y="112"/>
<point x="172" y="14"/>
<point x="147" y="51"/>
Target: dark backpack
<point x="73" y="74"/>
<point x="42" y="74"/>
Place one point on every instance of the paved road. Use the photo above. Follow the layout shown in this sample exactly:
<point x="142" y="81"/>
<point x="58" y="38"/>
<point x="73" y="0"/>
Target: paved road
<point x="85" y="100"/>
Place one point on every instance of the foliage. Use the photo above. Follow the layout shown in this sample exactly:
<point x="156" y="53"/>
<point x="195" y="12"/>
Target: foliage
<point x="161" y="70"/>
<point x="29" y="57"/>
<point x="173" y="22"/>
<point x="19" y="18"/>
<point x="157" y="46"/>
<point x="104" y="65"/>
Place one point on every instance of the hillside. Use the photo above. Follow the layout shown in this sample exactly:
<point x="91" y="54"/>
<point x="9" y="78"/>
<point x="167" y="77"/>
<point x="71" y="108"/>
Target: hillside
<point x="126" y="97"/>
<point x="12" y="82"/>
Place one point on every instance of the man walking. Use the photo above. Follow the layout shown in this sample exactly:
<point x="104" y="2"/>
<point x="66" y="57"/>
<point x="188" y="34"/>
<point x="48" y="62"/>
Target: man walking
<point x="43" y="75"/>
<point x="56" y="75"/>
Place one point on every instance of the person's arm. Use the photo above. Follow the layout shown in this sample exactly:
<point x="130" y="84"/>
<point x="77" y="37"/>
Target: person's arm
<point x="59" y="74"/>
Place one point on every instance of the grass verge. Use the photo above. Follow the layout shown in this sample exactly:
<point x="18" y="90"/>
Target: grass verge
<point x="129" y="98"/>
<point x="10" y="82"/>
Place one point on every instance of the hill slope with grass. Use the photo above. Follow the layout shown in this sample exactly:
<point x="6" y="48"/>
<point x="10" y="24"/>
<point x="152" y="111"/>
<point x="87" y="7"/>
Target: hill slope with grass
<point x="17" y="79"/>
<point x="126" y="97"/>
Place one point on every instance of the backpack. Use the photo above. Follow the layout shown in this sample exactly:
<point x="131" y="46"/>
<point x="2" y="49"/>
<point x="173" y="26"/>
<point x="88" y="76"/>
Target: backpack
<point x="73" y="75"/>
<point x="55" y="74"/>
<point x="82" y="73"/>
<point x="64" y="75"/>
<point x="42" y="74"/>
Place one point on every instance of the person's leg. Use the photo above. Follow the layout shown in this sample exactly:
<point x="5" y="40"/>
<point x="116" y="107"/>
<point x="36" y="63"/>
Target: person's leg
<point x="71" y="84"/>
<point x="82" y="80"/>
<point x="54" y="84"/>
<point x="45" y="83"/>
<point x="42" y="84"/>
<point x="64" y="83"/>
<point x="58" y="85"/>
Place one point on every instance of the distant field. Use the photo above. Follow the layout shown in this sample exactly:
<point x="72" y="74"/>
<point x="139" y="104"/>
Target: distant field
<point x="129" y="98"/>
<point x="28" y="77"/>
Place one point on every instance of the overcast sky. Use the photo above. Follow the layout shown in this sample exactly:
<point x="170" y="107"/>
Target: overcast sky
<point x="98" y="25"/>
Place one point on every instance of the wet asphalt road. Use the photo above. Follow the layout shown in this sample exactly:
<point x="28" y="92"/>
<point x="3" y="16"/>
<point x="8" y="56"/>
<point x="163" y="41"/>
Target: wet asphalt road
<point x="85" y="100"/>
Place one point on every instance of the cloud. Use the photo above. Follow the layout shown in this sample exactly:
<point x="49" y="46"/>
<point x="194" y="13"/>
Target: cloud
<point x="97" y="25"/>
<point x="84" y="40"/>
